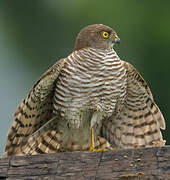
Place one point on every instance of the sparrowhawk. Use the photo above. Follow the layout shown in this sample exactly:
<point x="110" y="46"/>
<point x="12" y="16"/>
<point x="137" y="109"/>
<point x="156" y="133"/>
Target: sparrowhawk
<point x="87" y="100"/>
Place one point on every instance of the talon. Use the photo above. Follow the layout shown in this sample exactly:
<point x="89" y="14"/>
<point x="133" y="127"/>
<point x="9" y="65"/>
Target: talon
<point x="101" y="149"/>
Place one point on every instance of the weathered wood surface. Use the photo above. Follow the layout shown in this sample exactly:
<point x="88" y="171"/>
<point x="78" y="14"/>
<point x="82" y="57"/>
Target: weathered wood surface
<point x="143" y="163"/>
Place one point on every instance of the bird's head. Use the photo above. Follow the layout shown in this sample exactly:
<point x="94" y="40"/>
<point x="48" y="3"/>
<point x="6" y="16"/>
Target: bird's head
<point x="96" y="36"/>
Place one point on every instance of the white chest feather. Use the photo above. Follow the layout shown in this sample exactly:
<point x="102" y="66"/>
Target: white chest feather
<point x="90" y="79"/>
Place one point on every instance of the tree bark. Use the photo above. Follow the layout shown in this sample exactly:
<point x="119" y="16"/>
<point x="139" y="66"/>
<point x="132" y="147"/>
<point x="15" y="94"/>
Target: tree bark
<point x="140" y="163"/>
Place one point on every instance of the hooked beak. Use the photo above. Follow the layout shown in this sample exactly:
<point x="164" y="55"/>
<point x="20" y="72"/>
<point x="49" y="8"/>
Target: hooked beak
<point x="116" y="39"/>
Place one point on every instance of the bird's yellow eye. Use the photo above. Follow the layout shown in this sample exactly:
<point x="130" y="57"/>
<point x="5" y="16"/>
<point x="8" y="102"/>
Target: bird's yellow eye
<point x="105" y="34"/>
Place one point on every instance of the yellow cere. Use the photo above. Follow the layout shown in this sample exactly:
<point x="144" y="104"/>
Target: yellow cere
<point x="105" y="34"/>
<point x="115" y="36"/>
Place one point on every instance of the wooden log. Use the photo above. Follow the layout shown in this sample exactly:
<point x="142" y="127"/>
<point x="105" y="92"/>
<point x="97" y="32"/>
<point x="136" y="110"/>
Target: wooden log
<point x="141" y="163"/>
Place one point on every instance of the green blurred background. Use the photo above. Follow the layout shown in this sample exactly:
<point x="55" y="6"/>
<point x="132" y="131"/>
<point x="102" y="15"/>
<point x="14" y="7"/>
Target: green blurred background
<point x="34" y="34"/>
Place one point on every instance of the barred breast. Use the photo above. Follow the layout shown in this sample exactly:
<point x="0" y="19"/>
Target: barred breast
<point x="91" y="79"/>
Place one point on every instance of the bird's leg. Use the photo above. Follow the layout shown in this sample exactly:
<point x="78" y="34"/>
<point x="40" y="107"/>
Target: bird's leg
<point x="96" y="117"/>
<point x="92" y="146"/>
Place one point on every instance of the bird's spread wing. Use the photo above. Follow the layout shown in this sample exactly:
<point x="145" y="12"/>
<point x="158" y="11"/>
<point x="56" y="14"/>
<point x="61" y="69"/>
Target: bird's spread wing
<point x="138" y="122"/>
<point x="47" y="139"/>
<point x="34" y="111"/>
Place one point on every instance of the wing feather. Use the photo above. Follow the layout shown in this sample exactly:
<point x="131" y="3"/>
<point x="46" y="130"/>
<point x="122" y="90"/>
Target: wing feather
<point x="140" y="120"/>
<point x="34" y="111"/>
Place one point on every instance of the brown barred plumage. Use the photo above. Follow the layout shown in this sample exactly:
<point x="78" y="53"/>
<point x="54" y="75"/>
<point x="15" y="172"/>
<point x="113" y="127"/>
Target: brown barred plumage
<point x="91" y="88"/>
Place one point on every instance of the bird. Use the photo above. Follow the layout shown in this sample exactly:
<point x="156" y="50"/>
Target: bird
<point x="91" y="100"/>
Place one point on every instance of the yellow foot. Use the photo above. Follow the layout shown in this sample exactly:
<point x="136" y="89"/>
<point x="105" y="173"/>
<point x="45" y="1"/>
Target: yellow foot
<point x="97" y="150"/>
<point x="92" y="147"/>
